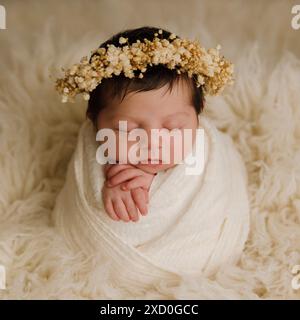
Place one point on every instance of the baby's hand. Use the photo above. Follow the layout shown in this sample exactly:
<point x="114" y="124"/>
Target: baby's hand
<point x="124" y="205"/>
<point x="120" y="174"/>
<point x="121" y="204"/>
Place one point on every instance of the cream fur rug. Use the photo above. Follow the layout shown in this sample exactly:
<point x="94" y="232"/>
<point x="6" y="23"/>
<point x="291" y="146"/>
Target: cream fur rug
<point x="38" y="135"/>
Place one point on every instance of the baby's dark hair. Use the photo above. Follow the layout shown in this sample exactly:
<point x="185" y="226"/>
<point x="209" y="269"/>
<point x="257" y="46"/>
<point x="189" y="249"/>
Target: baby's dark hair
<point x="155" y="76"/>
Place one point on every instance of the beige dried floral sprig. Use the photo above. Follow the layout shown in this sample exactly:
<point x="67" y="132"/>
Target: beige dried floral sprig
<point x="210" y="69"/>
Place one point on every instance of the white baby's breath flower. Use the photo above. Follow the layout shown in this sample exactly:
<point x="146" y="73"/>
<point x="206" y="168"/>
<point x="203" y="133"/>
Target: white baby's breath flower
<point x="122" y="40"/>
<point x="86" y="96"/>
<point x="64" y="99"/>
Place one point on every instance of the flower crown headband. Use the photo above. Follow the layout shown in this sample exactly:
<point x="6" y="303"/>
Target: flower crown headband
<point x="210" y="69"/>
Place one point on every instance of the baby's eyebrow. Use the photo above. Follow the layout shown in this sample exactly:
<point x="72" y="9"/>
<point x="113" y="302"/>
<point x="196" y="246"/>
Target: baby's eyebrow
<point x="176" y="114"/>
<point x="118" y="118"/>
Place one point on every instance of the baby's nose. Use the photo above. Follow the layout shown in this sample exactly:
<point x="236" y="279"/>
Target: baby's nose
<point x="152" y="140"/>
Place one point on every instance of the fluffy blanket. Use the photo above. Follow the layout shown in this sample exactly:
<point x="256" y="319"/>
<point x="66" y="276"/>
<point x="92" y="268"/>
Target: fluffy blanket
<point x="38" y="135"/>
<point x="196" y="222"/>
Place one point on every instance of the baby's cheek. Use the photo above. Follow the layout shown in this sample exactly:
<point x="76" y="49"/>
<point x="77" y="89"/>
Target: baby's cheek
<point x="124" y="149"/>
<point x="175" y="151"/>
<point x="184" y="146"/>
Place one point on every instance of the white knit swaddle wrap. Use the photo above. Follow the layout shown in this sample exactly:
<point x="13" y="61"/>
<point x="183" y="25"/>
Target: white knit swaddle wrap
<point x="194" y="225"/>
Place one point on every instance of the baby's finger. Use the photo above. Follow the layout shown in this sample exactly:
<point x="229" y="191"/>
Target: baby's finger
<point x="120" y="210"/>
<point x="107" y="166"/>
<point x="131" y="209"/>
<point x="116" y="168"/>
<point x="140" y="200"/>
<point x="134" y="183"/>
<point x="123" y="176"/>
<point x="146" y="193"/>
<point x="110" y="210"/>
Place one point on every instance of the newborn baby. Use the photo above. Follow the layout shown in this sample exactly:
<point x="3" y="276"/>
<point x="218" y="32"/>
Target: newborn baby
<point x="197" y="222"/>
<point x="162" y="99"/>
<point x="125" y="192"/>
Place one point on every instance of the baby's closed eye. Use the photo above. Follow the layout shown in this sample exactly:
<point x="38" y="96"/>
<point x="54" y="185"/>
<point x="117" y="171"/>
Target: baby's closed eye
<point x="174" y="125"/>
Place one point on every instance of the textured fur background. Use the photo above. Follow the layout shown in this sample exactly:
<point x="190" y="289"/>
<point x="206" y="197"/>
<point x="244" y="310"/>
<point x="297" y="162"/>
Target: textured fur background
<point x="38" y="134"/>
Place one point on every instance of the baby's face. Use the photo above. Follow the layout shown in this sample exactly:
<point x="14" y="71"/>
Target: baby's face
<point x="154" y="109"/>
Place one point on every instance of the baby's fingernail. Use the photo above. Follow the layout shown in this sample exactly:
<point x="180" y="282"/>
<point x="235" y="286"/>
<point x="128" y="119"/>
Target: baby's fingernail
<point x="124" y="188"/>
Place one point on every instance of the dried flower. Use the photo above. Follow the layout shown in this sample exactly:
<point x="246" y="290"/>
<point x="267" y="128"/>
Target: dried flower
<point x="210" y="69"/>
<point x="122" y="40"/>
